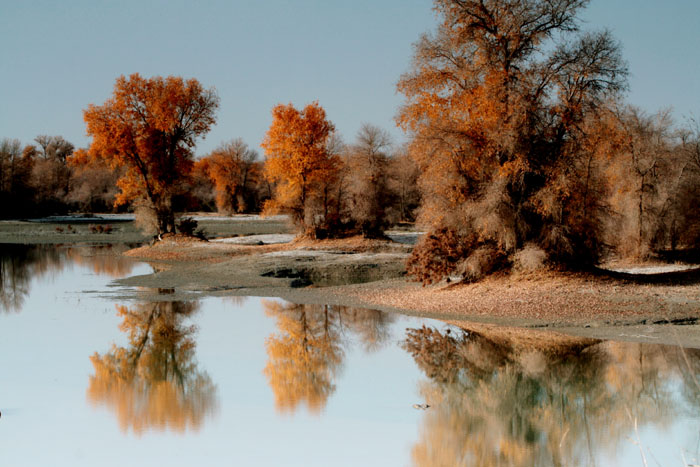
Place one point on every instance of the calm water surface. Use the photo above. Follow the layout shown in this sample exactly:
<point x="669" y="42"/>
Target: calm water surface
<point x="236" y="381"/>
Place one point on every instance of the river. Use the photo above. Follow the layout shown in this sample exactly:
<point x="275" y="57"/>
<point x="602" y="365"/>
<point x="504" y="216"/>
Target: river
<point x="87" y="378"/>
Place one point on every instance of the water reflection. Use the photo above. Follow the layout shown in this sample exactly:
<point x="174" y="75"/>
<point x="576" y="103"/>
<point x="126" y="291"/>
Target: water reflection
<point x="104" y="260"/>
<point x="306" y="354"/>
<point x="495" y="403"/>
<point x="19" y="264"/>
<point x="154" y="381"/>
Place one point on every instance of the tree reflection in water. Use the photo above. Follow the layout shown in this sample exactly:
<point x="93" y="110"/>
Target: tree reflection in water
<point x="19" y="264"/>
<point x="154" y="382"/>
<point x="493" y="403"/>
<point x="306" y="354"/>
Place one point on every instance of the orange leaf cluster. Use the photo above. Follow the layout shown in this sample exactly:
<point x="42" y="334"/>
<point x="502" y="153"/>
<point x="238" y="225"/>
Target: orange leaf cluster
<point x="299" y="159"/>
<point x="149" y="126"/>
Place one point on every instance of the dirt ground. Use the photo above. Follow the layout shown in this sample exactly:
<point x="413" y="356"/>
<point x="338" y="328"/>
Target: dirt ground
<point x="654" y="308"/>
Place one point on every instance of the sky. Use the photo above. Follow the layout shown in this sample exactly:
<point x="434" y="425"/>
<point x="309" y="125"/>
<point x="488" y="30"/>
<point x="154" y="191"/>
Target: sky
<point x="58" y="57"/>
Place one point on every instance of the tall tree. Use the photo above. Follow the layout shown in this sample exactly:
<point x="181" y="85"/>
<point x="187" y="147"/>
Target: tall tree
<point x="301" y="162"/>
<point x="149" y="127"/>
<point x="54" y="147"/>
<point x="644" y="177"/>
<point x="495" y="110"/>
<point x="51" y="175"/>
<point x="403" y="183"/>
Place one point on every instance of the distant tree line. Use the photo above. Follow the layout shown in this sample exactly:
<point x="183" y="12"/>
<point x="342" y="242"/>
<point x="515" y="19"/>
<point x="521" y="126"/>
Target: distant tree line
<point x="40" y="179"/>
<point x="372" y="184"/>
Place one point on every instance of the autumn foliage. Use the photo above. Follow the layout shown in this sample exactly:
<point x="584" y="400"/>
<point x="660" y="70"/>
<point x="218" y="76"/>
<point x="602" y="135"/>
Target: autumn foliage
<point x="149" y="127"/>
<point x="499" y="114"/>
<point x="502" y="400"/>
<point x="521" y="152"/>
<point x="302" y="164"/>
<point x="232" y="169"/>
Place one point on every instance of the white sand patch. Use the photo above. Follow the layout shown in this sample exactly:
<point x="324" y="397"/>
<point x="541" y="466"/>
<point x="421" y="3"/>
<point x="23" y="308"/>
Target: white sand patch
<point x="238" y="218"/>
<point x="369" y="256"/>
<point x="256" y="239"/>
<point x="300" y="254"/>
<point x="407" y="238"/>
<point x="656" y="269"/>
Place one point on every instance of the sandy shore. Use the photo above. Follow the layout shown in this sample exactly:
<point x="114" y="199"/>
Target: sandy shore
<point x="655" y="308"/>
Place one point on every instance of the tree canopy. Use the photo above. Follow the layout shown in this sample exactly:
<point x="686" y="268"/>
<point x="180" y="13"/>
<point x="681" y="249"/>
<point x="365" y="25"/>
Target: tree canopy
<point x="301" y="161"/>
<point x="150" y="127"/>
<point x="231" y="167"/>
<point x="499" y="103"/>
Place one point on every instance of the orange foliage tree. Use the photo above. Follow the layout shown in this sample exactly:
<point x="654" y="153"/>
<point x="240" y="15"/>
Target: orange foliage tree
<point x="149" y="127"/>
<point x="497" y="111"/>
<point x="301" y="162"/>
<point x="231" y="167"/>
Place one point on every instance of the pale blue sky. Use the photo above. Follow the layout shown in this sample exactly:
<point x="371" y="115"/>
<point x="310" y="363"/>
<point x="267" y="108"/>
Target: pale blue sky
<point x="56" y="57"/>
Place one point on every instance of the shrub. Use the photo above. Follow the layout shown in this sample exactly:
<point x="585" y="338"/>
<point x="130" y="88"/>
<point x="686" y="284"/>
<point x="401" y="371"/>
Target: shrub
<point x="481" y="262"/>
<point x="187" y="226"/>
<point x="438" y="255"/>
<point x="531" y="258"/>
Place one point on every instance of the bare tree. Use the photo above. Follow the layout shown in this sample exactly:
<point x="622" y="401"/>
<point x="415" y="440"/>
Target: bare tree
<point x="369" y="193"/>
<point x="403" y="176"/>
<point x="54" y="147"/>
<point x="646" y="176"/>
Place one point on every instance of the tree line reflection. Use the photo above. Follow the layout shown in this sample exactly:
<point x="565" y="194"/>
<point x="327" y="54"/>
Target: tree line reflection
<point x="493" y="403"/>
<point x="19" y="264"/>
<point x="493" y="400"/>
<point x="154" y="381"/>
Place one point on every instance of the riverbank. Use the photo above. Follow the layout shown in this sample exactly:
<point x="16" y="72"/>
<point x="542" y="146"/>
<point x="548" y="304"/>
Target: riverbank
<point x="654" y="308"/>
